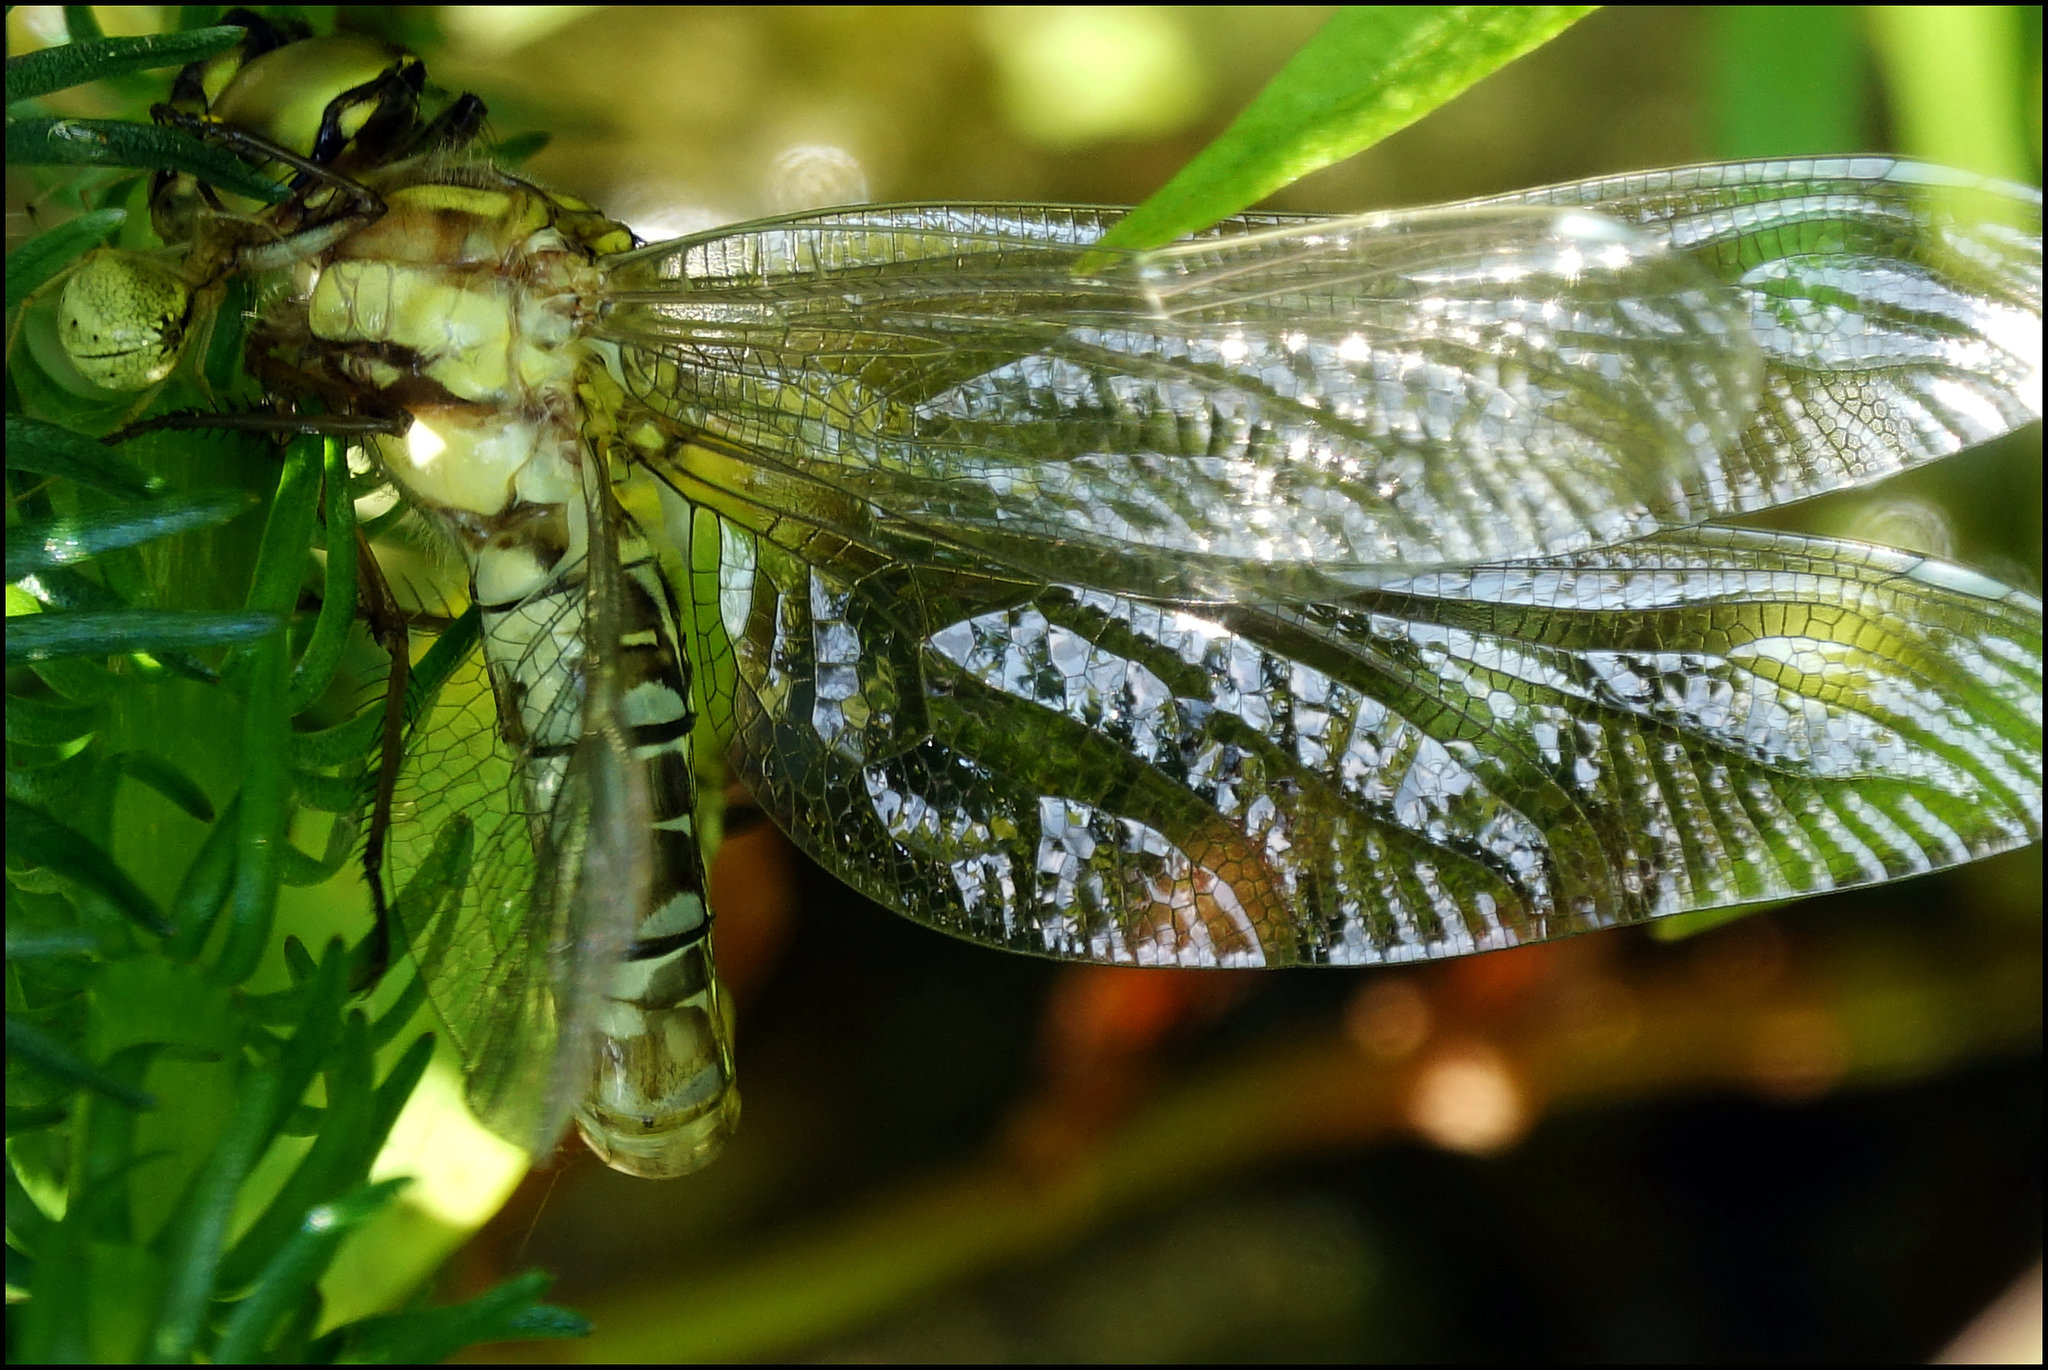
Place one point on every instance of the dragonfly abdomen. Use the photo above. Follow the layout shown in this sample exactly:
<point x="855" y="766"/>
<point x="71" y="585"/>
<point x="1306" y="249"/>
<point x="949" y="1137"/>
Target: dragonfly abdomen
<point x="663" y="1100"/>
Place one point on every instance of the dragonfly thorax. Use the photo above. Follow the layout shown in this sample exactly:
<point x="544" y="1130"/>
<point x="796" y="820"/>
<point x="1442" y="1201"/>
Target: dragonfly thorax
<point x="461" y="307"/>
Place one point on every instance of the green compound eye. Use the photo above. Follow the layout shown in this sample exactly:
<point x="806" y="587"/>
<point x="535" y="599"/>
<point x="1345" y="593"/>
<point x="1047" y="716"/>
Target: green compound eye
<point x="291" y="95"/>
<point x="122" y="320"/>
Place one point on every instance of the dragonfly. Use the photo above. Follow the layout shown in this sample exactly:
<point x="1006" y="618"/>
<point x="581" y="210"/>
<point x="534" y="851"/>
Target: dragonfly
<point x="1335" y="591"/>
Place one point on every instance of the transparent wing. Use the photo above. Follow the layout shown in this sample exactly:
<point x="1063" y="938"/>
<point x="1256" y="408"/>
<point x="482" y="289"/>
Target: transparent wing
<point x="1263" y="411"/>
<point x="1462" y="760"/>
<point x="475" y="869"/>
<point x="1897" y="306"/>
<point x="1282" y="407"/>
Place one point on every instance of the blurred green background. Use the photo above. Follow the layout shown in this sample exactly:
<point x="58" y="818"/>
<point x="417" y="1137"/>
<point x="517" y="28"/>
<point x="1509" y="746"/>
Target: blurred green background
<point x="1812" y="1134"/>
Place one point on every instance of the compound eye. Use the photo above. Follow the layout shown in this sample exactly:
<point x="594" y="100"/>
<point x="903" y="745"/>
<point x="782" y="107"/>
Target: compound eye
<point x="122" y="320"/>
<point x="289" y="95"/>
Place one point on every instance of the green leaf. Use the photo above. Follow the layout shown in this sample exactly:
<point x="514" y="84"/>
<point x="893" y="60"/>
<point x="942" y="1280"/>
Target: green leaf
<point x="103" y="671"/>
<point x="264" y="818"/>
<point x="298" y="1263"/>
<point x="28" y="1043"/>
<point x="44" y="255"/>
<point x="114" y="142"/>
<point x="337" y="1160"/>
<point x="37" y="74"/>
<point x="520" y="148"/>
<point x="315" y="670"/>
<point x="39" y="637"/>
<point x="1787" y="80"/>
<point x="1680" y="926"/>
<point x="1371" y="71"/>
<point x="35" y="838"/>
<point x="48" y="450"/>
<point x="37" y="544"/>
<point x="506" y="1313"/>
<point x="48" y="723"/>
<point x="155" y="1001"/>
<point x="193" y="1241"/>
<point x="167" y="779"/>
<point x="204" y="888"/>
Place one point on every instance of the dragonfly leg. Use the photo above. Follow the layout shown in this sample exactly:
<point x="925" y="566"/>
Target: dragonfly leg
<point x="388" y="629"/>
<point x="284" y="425"/>
<point x="256" y="247"/>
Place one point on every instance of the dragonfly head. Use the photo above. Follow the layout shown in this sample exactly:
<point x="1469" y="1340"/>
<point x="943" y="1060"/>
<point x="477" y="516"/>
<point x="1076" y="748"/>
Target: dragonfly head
<point x="122" y="319"/>
<point x="315" y="97"/>
<point x="346" y="101"/>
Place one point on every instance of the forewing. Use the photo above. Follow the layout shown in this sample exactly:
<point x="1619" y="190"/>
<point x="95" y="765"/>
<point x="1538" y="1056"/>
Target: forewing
<point x="1897" y="307"/>
<point x="1283" y="407"/>
<point x="1273" y="410"/>
<point x="1461" y="761"/>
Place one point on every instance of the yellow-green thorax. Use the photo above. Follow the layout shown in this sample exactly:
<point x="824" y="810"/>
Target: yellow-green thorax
<point x="464" y="307"/>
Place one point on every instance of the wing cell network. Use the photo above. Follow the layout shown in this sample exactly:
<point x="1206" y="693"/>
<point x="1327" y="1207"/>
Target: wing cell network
<point x="1312" y="591"/>
<point x="1265" y="411"/>
<point x="1282" y="408"/>
<point x="1458" y="761"/>
<point x="1897" y="306"/>
<point x="463" y="868"/>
